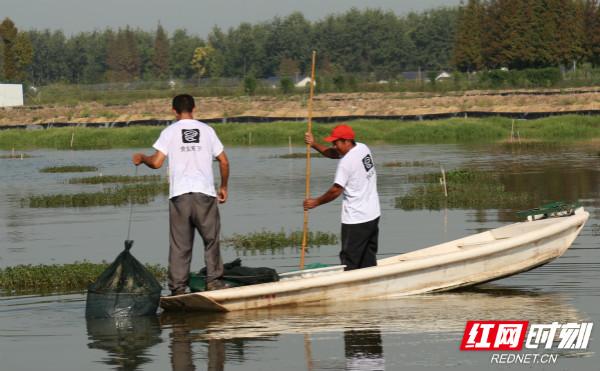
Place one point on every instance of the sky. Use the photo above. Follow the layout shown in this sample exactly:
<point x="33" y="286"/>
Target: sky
<point x="197" y="16"/>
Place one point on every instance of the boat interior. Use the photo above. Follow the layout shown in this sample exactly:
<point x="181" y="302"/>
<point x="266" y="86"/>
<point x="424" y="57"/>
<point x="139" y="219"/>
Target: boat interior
<point x="472" y="241"/>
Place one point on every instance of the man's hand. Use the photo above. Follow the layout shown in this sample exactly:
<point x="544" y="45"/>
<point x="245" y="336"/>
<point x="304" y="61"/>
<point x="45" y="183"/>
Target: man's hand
<point x="137" y="158"/>
<point x="310" y="203"/>
<point x="222" y="197"/>
<point x="309" y="139"/>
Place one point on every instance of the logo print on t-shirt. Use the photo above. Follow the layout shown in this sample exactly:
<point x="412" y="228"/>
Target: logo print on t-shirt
<point x="190" y="135"/>
<point x="368" y="162"/>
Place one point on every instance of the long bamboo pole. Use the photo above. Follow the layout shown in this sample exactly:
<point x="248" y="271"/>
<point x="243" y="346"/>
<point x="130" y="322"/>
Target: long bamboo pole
<point x="307" y="192"/>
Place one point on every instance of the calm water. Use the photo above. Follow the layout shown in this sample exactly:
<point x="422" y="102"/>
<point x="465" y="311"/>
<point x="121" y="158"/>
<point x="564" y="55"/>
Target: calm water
<point x="422" y="332"/>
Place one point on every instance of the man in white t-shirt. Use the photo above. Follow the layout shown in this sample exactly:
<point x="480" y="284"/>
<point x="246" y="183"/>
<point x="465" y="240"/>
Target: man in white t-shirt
<point x="356" y="178"/>
<point x="191" y="146"/>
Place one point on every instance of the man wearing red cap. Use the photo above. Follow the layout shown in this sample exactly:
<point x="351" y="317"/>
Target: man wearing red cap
<point x="356" y="178"/>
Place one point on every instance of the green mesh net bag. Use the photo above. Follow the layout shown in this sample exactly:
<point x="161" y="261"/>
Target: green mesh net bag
<point x="125" y="288"/>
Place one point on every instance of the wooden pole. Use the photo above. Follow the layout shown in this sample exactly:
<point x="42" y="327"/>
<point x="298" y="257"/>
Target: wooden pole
<point x="307" y="193"/>
<point x="512" y="131"/>
<point x="444" y="181"/>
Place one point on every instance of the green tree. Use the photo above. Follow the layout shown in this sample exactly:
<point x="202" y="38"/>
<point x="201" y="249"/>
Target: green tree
<point x="123" y="57"/>
<point x="76" y="57"/>
<point x="8" y="36"/>
<point x="201" y="60"/>
<point x="160" y="55"/>
<point x="591" y="24"/>
<point x="1" y="60"/>
<point x="287" y="85"/>
<point x="182" y="47"/>
<point x="466" y="54"/>
<point x="569" y="40"/>
<point x="432" y="33"/>
<point x="23" y="54"/>
<point x="250" y="84"/>
<point x="49" y="57"/>
<point x="288" y="67"/>
<point x="96" y="47"/>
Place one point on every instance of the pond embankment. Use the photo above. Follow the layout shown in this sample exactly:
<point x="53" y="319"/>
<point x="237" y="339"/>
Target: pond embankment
<point x="328" y="107"/>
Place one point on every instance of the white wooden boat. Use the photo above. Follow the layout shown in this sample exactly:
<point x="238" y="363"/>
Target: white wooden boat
<point x="471" y="260"/>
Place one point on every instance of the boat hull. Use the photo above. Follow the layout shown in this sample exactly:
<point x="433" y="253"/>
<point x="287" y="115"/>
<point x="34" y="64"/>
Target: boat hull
<point x="469" y="261"/>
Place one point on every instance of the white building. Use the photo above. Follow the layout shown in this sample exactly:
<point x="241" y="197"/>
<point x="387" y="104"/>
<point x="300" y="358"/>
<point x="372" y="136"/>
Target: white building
<point x="443" y="76"/>
<point x="11" y="95"/>
<point x="304" y="82"/>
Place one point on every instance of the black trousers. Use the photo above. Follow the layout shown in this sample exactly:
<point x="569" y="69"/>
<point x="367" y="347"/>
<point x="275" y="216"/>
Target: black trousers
<point x="359" y="244"/>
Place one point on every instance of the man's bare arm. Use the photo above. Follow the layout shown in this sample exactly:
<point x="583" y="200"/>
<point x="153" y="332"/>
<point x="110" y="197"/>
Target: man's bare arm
<point x="330" y="152"/>
<point x="155" y="161"/>
<point x="224" y="169"/>
<point x="332" y="193"/>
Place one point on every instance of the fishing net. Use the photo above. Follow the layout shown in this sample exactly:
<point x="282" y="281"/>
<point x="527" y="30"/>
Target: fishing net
<point x="125" y="288"/>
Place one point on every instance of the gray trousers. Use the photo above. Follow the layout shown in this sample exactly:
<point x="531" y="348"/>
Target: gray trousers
<point x="187" y="213"/>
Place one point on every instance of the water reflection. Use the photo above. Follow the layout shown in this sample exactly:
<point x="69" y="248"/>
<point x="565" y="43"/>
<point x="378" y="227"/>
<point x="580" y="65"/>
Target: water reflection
<point x="188" y="329"/>
<point x="126" y="340"/>
<point x="363" y="350"/>
<point x="360" y="324"/>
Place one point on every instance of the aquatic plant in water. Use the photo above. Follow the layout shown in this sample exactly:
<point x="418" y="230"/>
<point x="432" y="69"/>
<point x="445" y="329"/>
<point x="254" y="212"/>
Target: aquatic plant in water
<point x="268" y="240"/>
<point x="410" y="164"/>
<point x="58" y="277"/>
<point x="467" y="189"/>
<point x="68" y="169"/>
<point x="103" y="179"/>
<point x="119" y="196"/>
<point x="16" y="156"/>
<point x="299" y="155"/>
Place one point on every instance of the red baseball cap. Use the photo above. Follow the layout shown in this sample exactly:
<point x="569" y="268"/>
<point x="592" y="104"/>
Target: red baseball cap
<point x="340" y="132"/>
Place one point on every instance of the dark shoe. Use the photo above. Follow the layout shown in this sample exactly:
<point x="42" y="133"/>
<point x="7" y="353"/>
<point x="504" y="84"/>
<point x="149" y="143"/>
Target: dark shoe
<point x="217" y="285"/>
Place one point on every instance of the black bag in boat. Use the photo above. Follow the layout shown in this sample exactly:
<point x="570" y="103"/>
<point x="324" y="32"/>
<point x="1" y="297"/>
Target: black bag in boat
<point x="125" y="288"/>
<point x="234" y="272"/>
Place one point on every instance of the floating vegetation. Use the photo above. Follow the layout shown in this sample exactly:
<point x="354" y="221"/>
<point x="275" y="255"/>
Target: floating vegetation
<point x="123" y="195"/>
<point x="68" y="169"/>
<point x="410" y="164"/>
<point x="300" y="155"/>
<point x="103" y="179"/>
<point x="16" y="156"/>
<point x="533" y="145"/>
<point x="459" y="176"/>
<point x="466" y="190"/>
<point x="44" y="278"/>
<point x="267" y="240"/>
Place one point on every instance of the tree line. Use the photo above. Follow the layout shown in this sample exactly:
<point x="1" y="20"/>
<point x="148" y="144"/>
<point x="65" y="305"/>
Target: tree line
<point x="477" y="35"/>
<point x="520" y="34"/>
<point x="371" y="41"/>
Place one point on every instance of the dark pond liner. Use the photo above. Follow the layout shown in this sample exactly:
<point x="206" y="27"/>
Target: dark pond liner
<point x="125" y="289"/>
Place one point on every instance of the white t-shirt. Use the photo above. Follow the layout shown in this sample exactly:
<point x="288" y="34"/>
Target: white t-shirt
<point x="190" y="146"/>
<point x="356" y="173"/>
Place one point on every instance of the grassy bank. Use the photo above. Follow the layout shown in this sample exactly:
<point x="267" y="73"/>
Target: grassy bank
<point x="563" y="128"/>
